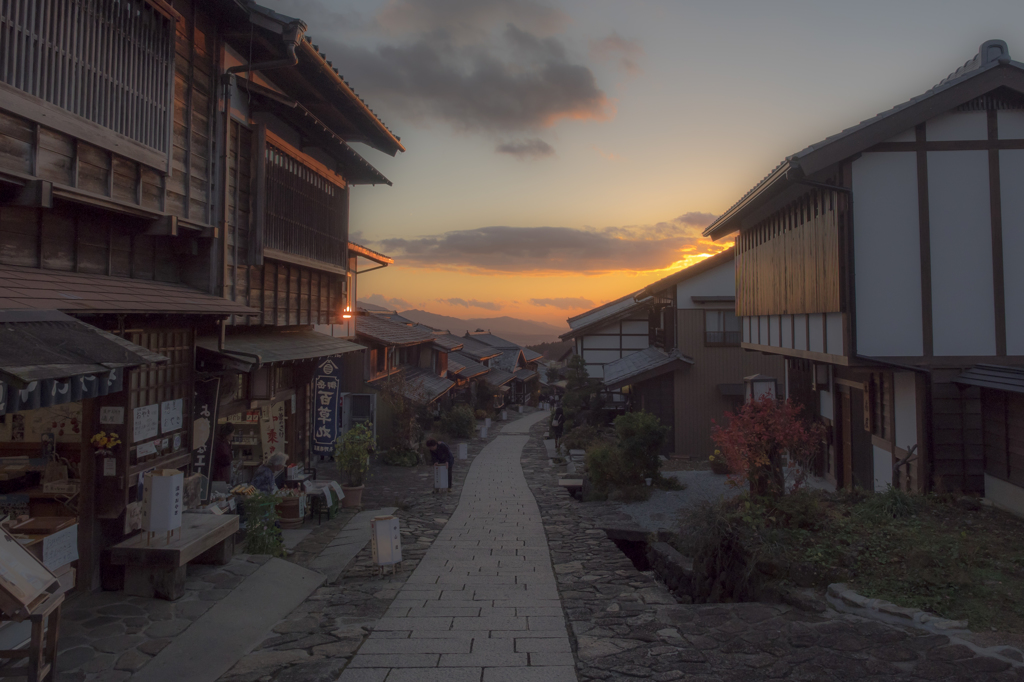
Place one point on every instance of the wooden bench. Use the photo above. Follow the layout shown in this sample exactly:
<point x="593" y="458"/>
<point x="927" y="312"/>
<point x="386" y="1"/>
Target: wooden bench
<point x="157" y="569"/>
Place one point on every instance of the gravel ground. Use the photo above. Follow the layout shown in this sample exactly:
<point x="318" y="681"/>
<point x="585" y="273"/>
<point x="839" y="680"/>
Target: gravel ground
<point x="665" y="506"/>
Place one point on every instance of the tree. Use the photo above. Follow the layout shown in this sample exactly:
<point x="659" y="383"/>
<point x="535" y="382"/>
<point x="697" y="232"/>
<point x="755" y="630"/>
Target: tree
<point x="756" y="437"/>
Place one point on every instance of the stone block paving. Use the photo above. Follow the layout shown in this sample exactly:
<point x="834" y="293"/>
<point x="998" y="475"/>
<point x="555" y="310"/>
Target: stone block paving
<point x="482" y="604"/>
<point x="625" y="625"/>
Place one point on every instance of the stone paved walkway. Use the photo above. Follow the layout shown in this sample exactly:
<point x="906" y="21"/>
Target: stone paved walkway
<point x="483" y="603"/>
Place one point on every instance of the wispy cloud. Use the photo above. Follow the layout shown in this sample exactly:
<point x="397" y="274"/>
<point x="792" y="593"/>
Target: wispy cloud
<point x="471" y="303"/>
<point x="567" y="303"/>
<point x="533" y="148"/>
<point x="613" y="46"/>
<point x="695" y="218"/>
<point x="606" y="155"/>
<point x="377" y="299"/>
<point x="469" y="19"/>
<point x="554" y="249"/>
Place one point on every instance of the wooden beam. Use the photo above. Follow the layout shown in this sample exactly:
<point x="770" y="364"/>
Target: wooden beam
<point x="36" y="194"/>
<point x="167" y="226"/>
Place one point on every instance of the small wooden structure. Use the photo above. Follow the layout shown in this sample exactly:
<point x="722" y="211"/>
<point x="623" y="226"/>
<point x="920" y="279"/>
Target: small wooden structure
<point x="27" y="590"/>
<point x="158" y="569"/>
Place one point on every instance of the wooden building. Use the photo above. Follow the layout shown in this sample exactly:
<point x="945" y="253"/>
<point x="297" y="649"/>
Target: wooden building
<point x="673" y="349"/>
<point x="883" y="264"/>
<point x="177" y="174"/>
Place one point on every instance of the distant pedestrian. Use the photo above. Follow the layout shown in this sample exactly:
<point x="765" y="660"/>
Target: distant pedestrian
<point x="557" y="425"/>
<point x="440" y="453"/>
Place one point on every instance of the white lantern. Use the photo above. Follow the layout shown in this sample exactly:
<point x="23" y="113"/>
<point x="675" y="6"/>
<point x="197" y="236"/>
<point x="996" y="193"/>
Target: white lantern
<point x="520" y="409"/>
<point x="162" y="500"/>
<point x="504" y="415"/>
<point x="463" y="450"/>
<point x="387" y="540"/>
<point x="483" y="432"/>
<point x="487" y="422"/>
<point x="441" y="476"/>
<point x="757" y="386"/>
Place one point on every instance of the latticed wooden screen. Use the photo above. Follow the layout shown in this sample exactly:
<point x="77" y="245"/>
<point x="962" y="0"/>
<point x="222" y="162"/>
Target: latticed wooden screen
<point x="307" y="214"/>
<point x="109" y="61"/>
<point x="158" y="383"/>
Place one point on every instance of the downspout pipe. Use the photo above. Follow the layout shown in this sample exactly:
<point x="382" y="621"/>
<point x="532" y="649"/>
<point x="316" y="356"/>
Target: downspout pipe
<point x="291" y="35"/>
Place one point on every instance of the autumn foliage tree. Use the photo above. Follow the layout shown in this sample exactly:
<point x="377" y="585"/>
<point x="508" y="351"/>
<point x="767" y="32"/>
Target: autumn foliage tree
<point x="759" y="434"/>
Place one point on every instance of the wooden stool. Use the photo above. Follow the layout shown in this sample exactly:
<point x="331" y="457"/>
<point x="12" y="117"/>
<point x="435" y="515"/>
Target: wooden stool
<point x="42" y="648"/>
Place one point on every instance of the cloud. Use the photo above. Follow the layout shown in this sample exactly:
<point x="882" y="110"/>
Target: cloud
<point x="696" y="218"/>
<point x="469" y="19"/>
<point x="608" y="156"/>
<point x="568" y="303"/>
<point x="532" y="148"/>
<point x="390" y="303"/>
<point x="553" y="249"/>
<point x="472" y="303"/>
<point x="613" y="46"/>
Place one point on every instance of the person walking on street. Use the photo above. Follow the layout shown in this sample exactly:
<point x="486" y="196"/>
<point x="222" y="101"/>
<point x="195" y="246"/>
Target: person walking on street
<point x="557" y="424"/>
<point x="442" y="454"/>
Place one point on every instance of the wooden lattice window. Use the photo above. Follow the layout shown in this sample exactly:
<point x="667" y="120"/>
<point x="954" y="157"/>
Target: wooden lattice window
<point x="108" y="61"/>
<point x="307" y="214"/>
<point x="158" y="383"/>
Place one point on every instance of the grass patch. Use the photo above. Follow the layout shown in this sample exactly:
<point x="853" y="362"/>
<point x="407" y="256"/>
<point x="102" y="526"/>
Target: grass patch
<point x="937" y="553"/>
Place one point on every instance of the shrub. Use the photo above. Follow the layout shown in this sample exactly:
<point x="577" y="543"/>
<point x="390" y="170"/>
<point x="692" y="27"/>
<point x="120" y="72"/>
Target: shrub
<point x="262" y="534"/>
<point x="641" y="436"/>
<point x="582" y="437"/>
<point x="480" y="414"/>
<point x="352" y="453"/>
<point x="458" y="422"/>
<point x="400" y="457"/>
<point x="609" y="466"/>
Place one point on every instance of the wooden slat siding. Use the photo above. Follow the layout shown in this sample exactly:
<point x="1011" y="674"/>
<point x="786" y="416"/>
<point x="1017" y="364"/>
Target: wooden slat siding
<point x="89" y="58"/>
<point x="15" y="144"/>
<point x="789" y="263"/>
<point x="957" y="436"/>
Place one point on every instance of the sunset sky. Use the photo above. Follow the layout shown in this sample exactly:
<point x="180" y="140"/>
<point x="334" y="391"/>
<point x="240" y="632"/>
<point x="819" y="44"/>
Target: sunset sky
<point x="563" y="153"/>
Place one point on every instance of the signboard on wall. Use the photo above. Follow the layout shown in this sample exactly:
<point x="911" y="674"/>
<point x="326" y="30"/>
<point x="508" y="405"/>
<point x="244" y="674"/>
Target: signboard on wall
<point x="146" y="422"/>
<point x="272" y="431"/>
<point x="324" y="411"/>
<point x="170" y="415"/>
<point x="204" y="423"/>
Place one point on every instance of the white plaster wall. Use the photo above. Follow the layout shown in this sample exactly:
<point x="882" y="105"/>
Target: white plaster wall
<point x="1004" y="495"/>
<point x="1011" y="172"/>
<point x="800" y="333"/>
<point x="1011" y="125"/>
<point x="602" y="356"/>
<point x="719" y="281"/>
<point x="834" y="329"/>
<point x="634" y="327"/>
<point x="905" y="405"/>
<point x="746" y="330"/>
<point x="887" y="258"/>
<point x="775" y="329"/>
<point x="609" y="329"/>
<point x="963" y="307"/>
<point x="883" y="469"/>
<point x="958" y="125"/>
<point x="762" y="323"/>
<point x="787" y="331"/>
<point x="595" y="371"/>
<point x="635" y="342"/>
<point x="825" y="404"/>
<point x="906" y="136"/>
<point x="596" y="342"/>
<point x="817" y="333"/>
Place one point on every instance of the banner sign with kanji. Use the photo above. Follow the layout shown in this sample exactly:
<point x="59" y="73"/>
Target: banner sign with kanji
<point x="204" y="425"/>
<point x="272" y="430"/>
<point x="326" y="390"/>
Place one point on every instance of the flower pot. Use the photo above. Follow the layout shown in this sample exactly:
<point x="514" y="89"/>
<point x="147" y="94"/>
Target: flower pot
<point x="719" y="467"/>
<point x="288" y="511"/>
<point x="353" y="496"/>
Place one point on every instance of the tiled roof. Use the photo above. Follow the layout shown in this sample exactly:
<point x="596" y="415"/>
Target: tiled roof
<point x="448" y="342"/>
<point x="373" y="308"/>
<point x="473" y="348"/>
<point x="606" y="314"/>
<point x="465" y="366"/>
<point x="642" y="365"/>
<point x="382" y="330"/>
<point x="492" y="340"/>
<point x="74" y="292"/>
<point x="508" y="360"/>
<point x="498" y="377"/>
<point x="279" y="345"/>
<point x="709" y="263"/>
<point x="531" y="355"/>
<point x="420" y="385"/>
<point x="369" y="254"/>
<point x="525" y="374"/>
<point x="1009" y="379"/>
<point x="992" y="54"/>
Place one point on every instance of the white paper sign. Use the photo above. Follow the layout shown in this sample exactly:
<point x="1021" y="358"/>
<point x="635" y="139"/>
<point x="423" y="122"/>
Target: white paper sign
<point x="161" y="501"/>
<point x="146" y="421"/>
<point x="110" y="466"/>
<point x="146" y="449"/>
<point x="60" y="548"/>
<point x="170" y="416"/>
<point x="111" y="415"/>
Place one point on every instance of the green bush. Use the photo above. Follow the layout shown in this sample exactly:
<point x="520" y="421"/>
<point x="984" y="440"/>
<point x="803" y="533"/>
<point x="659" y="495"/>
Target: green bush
<point x="641" y="436"/>
<point x="608" y="466"/>
<point x="400" y="457"/>
<point x="582" y="437"/>
<point x="352" y="453"/>
<point x="458" y="422"/>
<point x="262" y="535"/>
<point x="480" y="414"/>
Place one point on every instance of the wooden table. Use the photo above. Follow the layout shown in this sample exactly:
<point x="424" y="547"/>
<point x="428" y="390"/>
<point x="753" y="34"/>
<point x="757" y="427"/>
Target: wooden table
<point x="41" y="654"/>
<point x="157" y="568"/>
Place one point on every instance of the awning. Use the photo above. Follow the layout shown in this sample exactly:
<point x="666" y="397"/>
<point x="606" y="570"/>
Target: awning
<point x="49" y="358"/>
<point x="643" y="365"/>
<point x="1009" y="379"/>
<point x="263" y="348"/>
<point x="415" y="383"/>
<point x="34" y="289"/>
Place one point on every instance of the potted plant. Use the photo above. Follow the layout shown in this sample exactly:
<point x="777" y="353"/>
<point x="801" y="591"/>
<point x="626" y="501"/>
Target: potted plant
<point x="352" y="453"/>
<point x="719" y="465"/>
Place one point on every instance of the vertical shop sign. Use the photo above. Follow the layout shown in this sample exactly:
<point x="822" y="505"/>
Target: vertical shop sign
<point x="326" y="387"/>
<point x="204" y="421"/>
<point x="272" y="430"/>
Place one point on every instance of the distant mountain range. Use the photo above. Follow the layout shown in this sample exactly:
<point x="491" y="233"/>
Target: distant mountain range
<point x="524" y="332"/>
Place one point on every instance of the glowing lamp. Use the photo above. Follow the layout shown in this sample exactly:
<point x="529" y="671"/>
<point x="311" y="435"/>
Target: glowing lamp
<point x="347" y="314"/>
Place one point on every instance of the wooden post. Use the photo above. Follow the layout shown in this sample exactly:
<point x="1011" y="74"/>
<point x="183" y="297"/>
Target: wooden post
<point x="88" y="538"/>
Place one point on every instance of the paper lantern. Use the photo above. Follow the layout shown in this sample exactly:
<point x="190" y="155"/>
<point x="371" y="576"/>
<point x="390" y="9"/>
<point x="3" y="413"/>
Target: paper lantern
<point x="386" y="538"/>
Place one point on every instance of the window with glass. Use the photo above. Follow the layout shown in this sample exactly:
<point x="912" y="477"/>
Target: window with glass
<point x="721" y="328"/>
